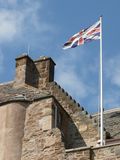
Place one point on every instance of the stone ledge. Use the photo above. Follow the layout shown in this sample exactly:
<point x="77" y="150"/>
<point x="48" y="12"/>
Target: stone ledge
<point x="44" y="58"/>
<point x="108" y="111"/>
<point x="106" y="146"/>
<point x="89" y="148"/>
<point x="23" y="56"/>
<point x="25" y="100"/>
<point x="77" y="149"/>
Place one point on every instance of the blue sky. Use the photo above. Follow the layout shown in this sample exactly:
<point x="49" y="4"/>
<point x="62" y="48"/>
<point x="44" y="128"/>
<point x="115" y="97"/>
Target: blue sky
<point x="46" y="25"/>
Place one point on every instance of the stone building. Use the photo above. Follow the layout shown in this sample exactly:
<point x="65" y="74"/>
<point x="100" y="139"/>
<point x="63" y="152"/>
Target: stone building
<point x="39" y="120"/>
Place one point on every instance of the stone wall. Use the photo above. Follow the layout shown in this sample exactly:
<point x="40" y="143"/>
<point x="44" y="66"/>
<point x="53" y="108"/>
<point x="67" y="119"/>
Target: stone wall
<point x="41" y="141"/>
<point x="108" y="152"/>
<point x="35" y="73"/>
<point x="82" y="131"/>
<point x="45" y="67"/>
<point x="70" y="133"/>
<point x="26" y="72"/>
<point x="78" y="154"/>
<point x="61" y="120"/>
<point x="12" y="118"/>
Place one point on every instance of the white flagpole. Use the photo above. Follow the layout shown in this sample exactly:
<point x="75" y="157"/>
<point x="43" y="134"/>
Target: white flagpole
<point x="101" y="87"/>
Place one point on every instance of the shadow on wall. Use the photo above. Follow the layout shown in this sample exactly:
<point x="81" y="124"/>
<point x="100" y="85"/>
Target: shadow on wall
<point x="70" y="133"/>
<point x="73" y="136"/>
<point x="32" y="74"/>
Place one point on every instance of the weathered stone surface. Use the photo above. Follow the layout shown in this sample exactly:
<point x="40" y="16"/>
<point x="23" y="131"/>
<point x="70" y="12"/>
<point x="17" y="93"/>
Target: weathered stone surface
<point x="35" y="73"/>
<point x="111" y="122"/>
<point x="45" y="67"/>
<point x="108" y="152"/>
<point x="78" y="154"/>
<point x="41" y="142"/>
<point x="12" y="118"/>
<point x="25" y="68"/>
<point x="85" y="133"/>
<point x="10" y="93"/>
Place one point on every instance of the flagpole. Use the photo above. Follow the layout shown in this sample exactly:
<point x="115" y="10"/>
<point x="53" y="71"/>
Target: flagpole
<point x="101" y="87"/>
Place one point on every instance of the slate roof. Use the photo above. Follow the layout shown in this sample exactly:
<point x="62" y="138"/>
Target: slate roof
<point x="10" y="93"/>
<point x="112" y="122"/>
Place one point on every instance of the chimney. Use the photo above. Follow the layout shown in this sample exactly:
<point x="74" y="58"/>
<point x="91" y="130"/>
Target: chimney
<point x="45" y="67"/>
<point x="26" y="72"/>
<point x="34" y="73"/>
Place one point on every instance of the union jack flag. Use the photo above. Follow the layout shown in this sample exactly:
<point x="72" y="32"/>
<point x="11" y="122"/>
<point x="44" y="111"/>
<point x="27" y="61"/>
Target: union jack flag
<point x="85" y="35"/>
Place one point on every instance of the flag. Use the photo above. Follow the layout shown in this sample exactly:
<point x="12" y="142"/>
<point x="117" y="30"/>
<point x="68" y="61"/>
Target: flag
<point x="85" y="35"/>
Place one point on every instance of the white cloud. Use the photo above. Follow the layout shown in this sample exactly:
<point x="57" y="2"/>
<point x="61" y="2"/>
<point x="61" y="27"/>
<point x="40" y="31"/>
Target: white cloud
<point x="22" y="18"/>
<point x="10" y="25"/>
<point x="113" y="70"/>
<point x="1" y="61"/>
<point x="71" y="81"/>
<point x="112" y="82"/>
<point x="71" y="77"/>
<point x="112" y="99"/>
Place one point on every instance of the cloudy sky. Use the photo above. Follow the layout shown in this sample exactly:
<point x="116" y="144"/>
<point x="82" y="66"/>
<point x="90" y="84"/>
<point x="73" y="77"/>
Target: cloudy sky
<point x="45" y="26"/>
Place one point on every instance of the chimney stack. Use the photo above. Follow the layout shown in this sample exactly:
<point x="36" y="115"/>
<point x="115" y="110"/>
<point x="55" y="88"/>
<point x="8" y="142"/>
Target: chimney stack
<point x="45" y="67"/>
<point x="34" y="73"/>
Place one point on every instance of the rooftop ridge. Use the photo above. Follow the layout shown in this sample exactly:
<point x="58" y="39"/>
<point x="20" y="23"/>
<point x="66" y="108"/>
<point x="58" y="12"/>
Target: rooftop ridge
<point x="108" y="111"/>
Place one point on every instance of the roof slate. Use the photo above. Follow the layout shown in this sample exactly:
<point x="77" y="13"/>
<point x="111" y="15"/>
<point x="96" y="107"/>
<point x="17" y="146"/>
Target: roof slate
<point x="10" y="93"/>
<point x="111" y="122"/>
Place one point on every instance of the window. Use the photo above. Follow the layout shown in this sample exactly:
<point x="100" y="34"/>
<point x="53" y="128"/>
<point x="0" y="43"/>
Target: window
<point x="57" y="117"/>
